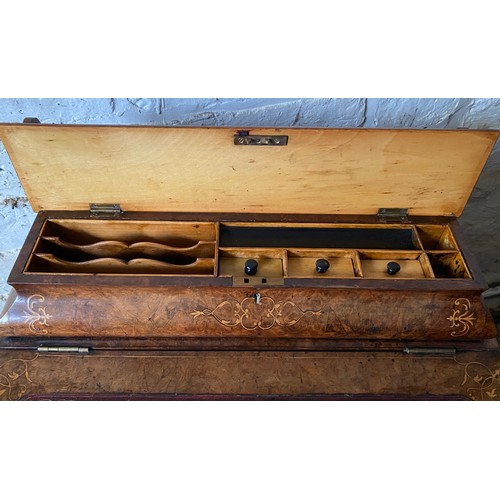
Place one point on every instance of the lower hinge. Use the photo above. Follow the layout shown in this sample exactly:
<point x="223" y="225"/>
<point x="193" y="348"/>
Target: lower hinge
<point x="64" y="349"/>
<point x="430" y="351"/>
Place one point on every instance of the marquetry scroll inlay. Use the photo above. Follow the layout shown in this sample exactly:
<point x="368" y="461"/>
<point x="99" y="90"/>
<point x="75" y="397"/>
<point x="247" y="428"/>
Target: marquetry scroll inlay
<point x="252" y="315"/>
<point x="14" y="378"/>
<point x="462" y="319"/>
<point x="36" y="316"/>
<point x="481" y="381"/>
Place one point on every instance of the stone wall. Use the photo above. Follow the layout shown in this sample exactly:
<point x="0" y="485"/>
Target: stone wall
<point x="480" y="220"/>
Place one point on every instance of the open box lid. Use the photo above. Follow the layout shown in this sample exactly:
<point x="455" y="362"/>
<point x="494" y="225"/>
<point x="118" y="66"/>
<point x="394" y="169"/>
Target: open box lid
<point x="177" y="169"/>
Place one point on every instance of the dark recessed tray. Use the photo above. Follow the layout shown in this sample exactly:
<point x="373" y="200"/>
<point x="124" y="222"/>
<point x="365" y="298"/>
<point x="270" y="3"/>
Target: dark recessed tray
<point x="305" y="237"/>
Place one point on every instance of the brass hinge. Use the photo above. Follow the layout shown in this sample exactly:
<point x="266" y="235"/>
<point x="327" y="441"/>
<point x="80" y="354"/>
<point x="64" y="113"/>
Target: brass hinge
<point x="64" y="349"/>
<point x="392" y="214"/>
<point x="430" y="351"/>
<point x="105" y="210"/>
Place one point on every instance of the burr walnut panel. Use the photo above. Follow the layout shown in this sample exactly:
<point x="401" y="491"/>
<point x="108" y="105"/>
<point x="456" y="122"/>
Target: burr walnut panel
<point x="223" y="374"/>
<point x="90" y="311"/>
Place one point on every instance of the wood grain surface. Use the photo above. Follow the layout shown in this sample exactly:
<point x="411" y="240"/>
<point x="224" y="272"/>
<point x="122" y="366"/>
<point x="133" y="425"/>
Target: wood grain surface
<point x="320" y="171"/>
<point x="189" y="337"/>
<point x="249" y="375"/>
<point x="101" y="311"/>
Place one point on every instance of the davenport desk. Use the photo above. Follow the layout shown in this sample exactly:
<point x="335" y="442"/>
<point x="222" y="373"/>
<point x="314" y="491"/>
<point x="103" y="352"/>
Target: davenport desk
<point x="193" y="263"/>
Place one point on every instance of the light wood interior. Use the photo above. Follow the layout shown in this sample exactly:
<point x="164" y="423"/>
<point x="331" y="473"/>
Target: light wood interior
<point x="270" y="263"/>
<point x="80" y="246"/>
<point x="118" y="266"/>
<point x="436" y="237"/>
<point x="72" y="246"/>
<point x="166" y="232"/>
<point x="374" y="265"/>
<point x="320" y="171"/>
<point x="302" y="263"/>
<point x="449" y="265"/>
<point x="121" y="249"/>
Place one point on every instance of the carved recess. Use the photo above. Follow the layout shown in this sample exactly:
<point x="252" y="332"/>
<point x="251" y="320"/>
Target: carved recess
<point x="461" y="319"/>
<point x="251" y="315"/>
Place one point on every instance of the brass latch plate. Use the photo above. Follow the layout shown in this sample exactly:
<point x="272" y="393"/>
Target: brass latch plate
<point x="243" y="139"/>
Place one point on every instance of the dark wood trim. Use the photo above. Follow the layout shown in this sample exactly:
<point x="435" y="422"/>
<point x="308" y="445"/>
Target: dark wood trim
<point x="193" y="281"/>
<point x="168" y="345"/>
<point x="62" y="396"/>
<point x="132" y="280"/>
<point x="27" y="248"/>
<point x="387" y="284"/>
<point x="248" y="217"/>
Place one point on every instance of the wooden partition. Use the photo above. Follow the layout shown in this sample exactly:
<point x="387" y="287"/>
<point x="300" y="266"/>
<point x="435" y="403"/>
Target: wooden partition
<point x="196" y="248"/>
<point x="125" y="247"/>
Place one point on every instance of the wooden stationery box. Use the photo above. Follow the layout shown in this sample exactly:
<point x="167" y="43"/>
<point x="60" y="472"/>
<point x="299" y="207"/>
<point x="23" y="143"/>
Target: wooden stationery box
<point x="157" y="233"/>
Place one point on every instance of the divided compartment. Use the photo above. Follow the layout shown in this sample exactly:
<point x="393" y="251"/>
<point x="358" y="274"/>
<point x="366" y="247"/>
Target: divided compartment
<point x="425" y="251"/>
<point x="50" y="263"/>
<point x="436" y="237"/>
<point x="442" y="251"/>
<point x="82" y="246"/>
<point x="125" y="247"/>
<point x="342" y="263"/>
<point x="271" y="264"/>
<point x="119" y="249"/>
<point x="413" y="265"/>
<point x="274" y="263"/>
<point x="448" y="265"/>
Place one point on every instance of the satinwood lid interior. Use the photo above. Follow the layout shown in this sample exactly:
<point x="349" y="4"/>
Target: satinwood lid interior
<point x="179" y="169"/>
